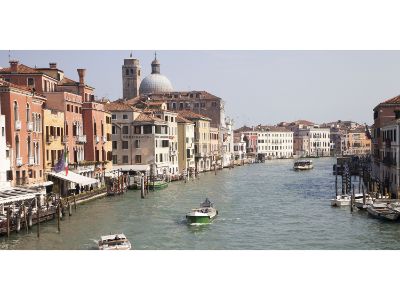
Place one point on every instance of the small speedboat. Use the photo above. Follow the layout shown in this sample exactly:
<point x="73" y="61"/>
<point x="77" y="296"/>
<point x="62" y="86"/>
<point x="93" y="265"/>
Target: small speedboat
<point x="114" y="242"/>
<point x="305" y="164"/>
<point x="202" y="215"/>
<point x="345" y="200"/>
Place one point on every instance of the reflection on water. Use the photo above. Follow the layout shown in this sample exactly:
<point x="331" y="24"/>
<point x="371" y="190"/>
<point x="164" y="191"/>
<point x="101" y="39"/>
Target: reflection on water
<point x="261" y="206"/>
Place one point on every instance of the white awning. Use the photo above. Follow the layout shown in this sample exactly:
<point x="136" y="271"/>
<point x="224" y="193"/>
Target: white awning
<point x="10" y="195"/>
<point x="137" y="168"/>
<point x="74" y="177"/>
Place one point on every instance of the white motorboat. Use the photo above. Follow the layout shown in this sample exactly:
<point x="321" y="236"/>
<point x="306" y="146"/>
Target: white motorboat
<point x="345" y="200"/>
<point x="202" y="215"/>
<point x="305" y="164"/>
<point x="114" y="242"/>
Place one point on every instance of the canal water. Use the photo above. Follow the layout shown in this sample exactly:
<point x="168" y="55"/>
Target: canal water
<point x="261" y="206"/>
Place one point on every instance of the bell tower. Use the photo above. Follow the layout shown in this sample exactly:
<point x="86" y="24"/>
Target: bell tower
<point x="130" y="78"/>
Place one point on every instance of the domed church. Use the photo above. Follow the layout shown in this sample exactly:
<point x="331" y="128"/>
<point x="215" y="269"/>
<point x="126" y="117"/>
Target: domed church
<point x="152" y="84"/>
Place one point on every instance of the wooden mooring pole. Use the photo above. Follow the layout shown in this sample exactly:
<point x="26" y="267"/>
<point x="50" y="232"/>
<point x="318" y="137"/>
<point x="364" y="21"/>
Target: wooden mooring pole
<point x="58" y="216"/>
<point x="336" y="192"/>
<point x="26" y="221"/>
<point x="8" y="221"/>
<point x="69" y="208"/>
<point x="142" y="187"/>
<point x="363" y="192"/>
<point x="38" y="220"/>
<point x="352" y="200"/>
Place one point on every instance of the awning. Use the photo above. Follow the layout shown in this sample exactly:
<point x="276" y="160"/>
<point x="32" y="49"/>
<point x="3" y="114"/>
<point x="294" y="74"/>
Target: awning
<point x="75" y="178"/>
<point x="137" y="168"/>
<point x="10" y="195"/>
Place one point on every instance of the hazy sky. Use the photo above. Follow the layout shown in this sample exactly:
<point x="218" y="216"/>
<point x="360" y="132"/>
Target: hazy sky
<point x="258" y="86"/>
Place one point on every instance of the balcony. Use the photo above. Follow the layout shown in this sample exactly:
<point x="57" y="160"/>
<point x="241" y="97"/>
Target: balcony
<point x="49" y="139"/>
<point x="104" y="139"/>
<point x="80" y="139"/>
<point x="31" y="161"/>
<point x="29" y="126"/>
<point x="17" y="125"/>
<point x="18" y="161"/>
<point x="97" y="139"/>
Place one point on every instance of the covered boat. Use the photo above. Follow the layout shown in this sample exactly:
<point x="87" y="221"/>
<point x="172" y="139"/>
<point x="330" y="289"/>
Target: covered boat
<point x="305" y="164"/>
<point x="202" y="215"/>
<point x="114" y="242"/>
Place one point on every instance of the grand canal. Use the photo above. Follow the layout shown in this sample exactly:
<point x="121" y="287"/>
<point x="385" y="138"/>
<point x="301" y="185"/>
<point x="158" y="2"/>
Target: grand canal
<point x="261" y="206"/>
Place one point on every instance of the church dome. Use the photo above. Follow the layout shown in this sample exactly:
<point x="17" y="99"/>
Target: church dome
<point x="155" y="82"/>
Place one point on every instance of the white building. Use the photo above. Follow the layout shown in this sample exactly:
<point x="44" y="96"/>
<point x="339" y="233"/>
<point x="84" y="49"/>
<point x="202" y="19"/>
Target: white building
<point x="226" y="134"/>
<point x="4" y="156"/>
<point x="239" y="146"/>
<point x="276" y="142"/>
<point x="319" y="140"/>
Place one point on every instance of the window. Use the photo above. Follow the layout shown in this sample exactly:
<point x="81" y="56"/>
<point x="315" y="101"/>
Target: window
<point x="115" y="159"/>
<point x="147" y="129"/>
<point x="115" y="145"/>
<point x="173" y="105"/>
<point x="125" y="117"/>
<point x="197" y="105"/>
<point x="165" y="143"/>
<point x="125" y="159"/>
<point x="137" y="129"/>
<point x="138" y="159"/>
<point x="202" y="104"/>
<point x="127" y="72"/>
<point x="113" y="130"/>
<point x="214" y="104"/>
<point x="137" y="143"/>
<point x="31" y="82"/>
<point x="113" y="117"/>
<point x="125" y="145"/>
<point x="125" y="129"/>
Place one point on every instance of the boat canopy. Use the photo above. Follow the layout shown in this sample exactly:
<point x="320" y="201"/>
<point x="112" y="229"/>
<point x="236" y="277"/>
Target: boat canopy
<point x="119" y="236"/>
<point x="11" y="195"/>
<point x="74" y="177"/>
<point x="137" y="168"/>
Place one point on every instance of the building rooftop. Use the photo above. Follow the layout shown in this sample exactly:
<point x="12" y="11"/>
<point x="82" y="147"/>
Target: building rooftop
<point x="192" y="115"/>
<point x="147" y="117"/>
<point x="119" y="106"/>
<point x="4" y="83"/>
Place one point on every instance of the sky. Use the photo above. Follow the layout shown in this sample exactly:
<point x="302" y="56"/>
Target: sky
<point x="258" y="87"/>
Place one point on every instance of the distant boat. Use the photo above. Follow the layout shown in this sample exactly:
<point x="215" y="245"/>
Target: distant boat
<point x="114" y="242"/>
<point x="304" y="164"/>
<point x="202" y="215"/>
<point x="158" y="184"/>
<point x="345" y="200"/>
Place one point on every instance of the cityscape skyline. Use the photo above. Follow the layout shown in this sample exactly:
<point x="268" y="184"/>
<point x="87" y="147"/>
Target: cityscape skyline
<point x="271" y="80"/>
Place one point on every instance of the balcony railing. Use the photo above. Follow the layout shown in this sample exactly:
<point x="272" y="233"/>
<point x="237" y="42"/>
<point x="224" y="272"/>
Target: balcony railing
<point x="18" y="161"/>
<point x="17" y="125"/>
<point x="80" y="139"/>
<point x="104" y="139"/>
<point x="29" y="126"/>
<point x="31" y="161"/>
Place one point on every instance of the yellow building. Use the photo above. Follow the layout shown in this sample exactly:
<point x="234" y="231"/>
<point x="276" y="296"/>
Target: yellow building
<point x="214" y="144"/>
<point x="202" y="141"/>
<point x="357" y="142"/>
<point x="53" y="131"/>
<point x="186" y="152"/>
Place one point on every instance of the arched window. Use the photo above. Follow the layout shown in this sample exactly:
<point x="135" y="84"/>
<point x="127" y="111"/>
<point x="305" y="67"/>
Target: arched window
<point x="16" y="114"/>
<point x="29" y="147"/>
<point x="28" y="113"/>
<point x="17" y="146"/>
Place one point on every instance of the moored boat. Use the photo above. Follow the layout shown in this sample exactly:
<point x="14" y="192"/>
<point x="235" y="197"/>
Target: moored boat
<point x="383" y="212"/>
<point x="305" y="164"/>
<point x="158" y="185"/>
<point x="202" y="215"/>
<point x="114" y="242"/>
<point x="345" y="200"/>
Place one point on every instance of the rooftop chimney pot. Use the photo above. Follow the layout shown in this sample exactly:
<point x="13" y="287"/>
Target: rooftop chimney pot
<point x="81" y="73"/>
<point x="14" y="65"/>
<point x="53" y="65"/>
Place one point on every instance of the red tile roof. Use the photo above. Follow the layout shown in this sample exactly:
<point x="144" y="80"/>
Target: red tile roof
<point x="187" y="114"/>
<point x="181" y="119"/>
<point x="119" y="106"/>
<point x="21" y="68"/>
<point x="146" y="117"/>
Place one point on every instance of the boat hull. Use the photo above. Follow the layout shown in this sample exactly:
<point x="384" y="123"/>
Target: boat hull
<point x="383" y="214"/>
<point x="158" y="186"/>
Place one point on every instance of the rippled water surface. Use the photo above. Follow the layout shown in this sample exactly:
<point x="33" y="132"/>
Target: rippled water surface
<point x="261" y="206"/>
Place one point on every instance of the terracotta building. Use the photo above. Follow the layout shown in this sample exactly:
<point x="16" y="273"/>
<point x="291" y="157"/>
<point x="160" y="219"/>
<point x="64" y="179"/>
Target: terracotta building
<point x="23" y="110"/>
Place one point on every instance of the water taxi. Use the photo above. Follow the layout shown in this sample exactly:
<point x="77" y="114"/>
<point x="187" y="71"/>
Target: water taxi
<point x="114" y="242"/>
<point x="158" y="184"/>
<point x="202" y="215"/>
<point x="305" y="164"/>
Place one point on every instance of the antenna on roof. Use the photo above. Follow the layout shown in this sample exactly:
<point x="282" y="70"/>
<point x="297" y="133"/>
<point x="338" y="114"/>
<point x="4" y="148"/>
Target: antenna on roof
<point x="155" y="55"/>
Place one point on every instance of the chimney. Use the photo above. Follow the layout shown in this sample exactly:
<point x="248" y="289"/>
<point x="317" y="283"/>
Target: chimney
<point x="81" y="73"/>
<point x="14" y="66"/>
<point x="53" y="65"/>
